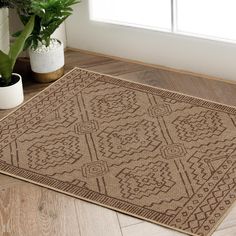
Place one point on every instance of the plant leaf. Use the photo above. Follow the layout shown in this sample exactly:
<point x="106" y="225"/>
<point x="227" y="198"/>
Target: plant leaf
<point x="16" y="34"/>
<point x="18" y="46"/>
<point x="49" y="15"/>
<point x="5" y="68"/>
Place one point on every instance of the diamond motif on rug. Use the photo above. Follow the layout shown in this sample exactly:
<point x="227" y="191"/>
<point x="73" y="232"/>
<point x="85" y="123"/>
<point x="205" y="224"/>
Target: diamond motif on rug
<point x="205" y="124"/>
<point x="114" y="104"/>
<point x="95" y="169"/>
<point x="129" y="139"/>
<point x="86" y="127"/>
<point x="159" y="110"/>
<point x="173" y="151"/>
<point x="54" y="151"/>
<point x="145" y="181"/>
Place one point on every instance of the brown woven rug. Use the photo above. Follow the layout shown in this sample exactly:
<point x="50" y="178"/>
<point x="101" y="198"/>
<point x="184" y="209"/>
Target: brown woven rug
<point x="151" y="153"/>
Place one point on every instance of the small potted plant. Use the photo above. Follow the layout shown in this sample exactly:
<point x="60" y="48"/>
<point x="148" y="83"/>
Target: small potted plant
<point x="11" y="89"/>
<point x="46" y="53"/>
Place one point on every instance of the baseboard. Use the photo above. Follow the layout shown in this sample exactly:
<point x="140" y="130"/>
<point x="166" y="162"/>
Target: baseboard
<point x="184" y="72"/>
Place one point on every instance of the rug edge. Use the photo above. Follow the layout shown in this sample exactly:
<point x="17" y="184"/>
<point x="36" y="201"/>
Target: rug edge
<point x="25" y="102"/>
<point x="96" y="203"/>
<point x="158" y="88"/>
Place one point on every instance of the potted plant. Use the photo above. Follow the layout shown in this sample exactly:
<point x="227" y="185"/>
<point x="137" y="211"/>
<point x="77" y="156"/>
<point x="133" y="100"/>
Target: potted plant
<point x="11" y="89"/>
<point x="46" y="53"/>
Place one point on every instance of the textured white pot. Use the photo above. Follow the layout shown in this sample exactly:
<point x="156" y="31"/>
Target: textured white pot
<point x="45" y="63"/>
<point x="13" y="95"/>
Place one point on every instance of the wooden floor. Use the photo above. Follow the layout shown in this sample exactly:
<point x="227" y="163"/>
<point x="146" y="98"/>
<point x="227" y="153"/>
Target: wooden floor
<point x="29" y="210"/>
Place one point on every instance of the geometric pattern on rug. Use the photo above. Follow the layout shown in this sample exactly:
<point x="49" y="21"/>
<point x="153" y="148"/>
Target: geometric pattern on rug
<point x="158" y="155"/>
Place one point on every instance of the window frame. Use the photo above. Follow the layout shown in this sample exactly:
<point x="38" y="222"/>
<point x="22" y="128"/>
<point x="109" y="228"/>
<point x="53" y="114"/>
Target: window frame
<point x="173" y="30"/>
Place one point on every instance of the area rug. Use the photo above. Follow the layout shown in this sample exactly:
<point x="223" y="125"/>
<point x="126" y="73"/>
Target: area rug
<point x="158" y="155"/>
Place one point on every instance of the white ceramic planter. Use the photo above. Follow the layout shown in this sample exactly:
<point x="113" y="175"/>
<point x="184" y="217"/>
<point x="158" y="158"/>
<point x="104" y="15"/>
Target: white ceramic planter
<point x="47" y="65"/>
<point x="13" y="95"/>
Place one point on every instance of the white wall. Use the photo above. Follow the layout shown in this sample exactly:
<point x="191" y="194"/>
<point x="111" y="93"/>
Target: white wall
<point x="181" y="52"/>
<point x="4" y="30"/>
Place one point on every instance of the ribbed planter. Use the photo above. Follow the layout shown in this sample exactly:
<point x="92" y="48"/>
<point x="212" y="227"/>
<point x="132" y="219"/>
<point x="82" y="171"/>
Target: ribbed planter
<point x="11" y="96"/>
<point x="47" y="65"/>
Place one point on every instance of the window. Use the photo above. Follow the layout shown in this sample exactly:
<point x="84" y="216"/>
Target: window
<point x="214" y="19"/>
<point x="152" y="14"/>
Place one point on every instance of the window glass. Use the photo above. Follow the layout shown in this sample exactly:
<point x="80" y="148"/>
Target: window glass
<point x="214" y="18"/>
<point x="154" y="14"/>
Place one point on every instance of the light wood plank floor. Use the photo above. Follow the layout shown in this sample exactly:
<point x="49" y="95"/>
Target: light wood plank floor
<point x="27" y="210"/>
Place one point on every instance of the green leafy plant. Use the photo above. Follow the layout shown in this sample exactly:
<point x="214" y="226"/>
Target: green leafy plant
<point x="19" y="4"/>
<point x="49" y="14"/>
<point x="4" y="3"/>
<point x="7" y="61"/>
